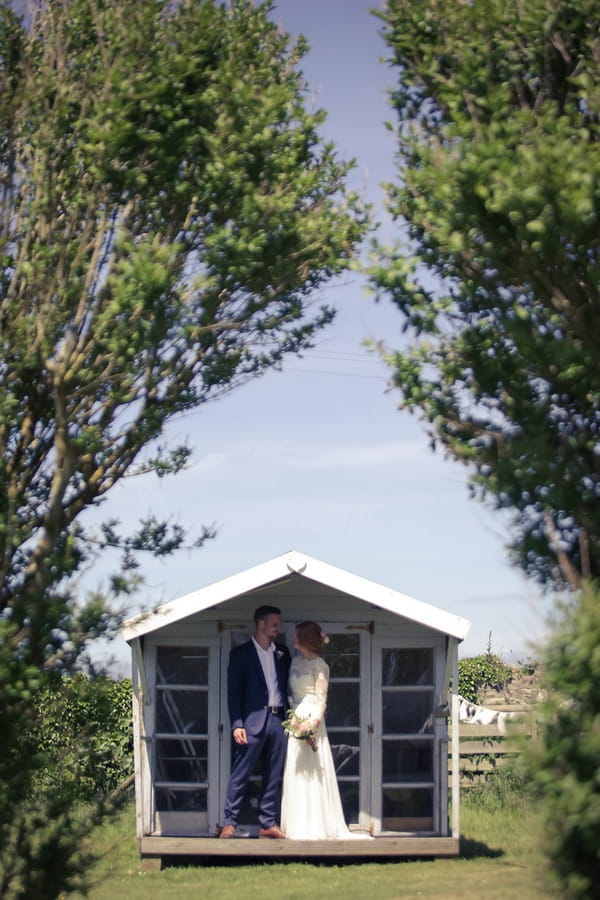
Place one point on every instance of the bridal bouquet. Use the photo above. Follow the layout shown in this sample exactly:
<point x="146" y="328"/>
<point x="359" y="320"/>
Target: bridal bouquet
<point x="300" y="727"/>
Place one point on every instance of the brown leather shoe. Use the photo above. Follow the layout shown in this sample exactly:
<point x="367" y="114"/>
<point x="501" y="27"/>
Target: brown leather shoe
<point x="227" y="831"/>
<point x="273" y="832"/>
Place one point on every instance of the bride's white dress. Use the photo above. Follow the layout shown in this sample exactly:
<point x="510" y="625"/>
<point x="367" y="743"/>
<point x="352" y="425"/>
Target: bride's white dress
<point x="311" y="808"/>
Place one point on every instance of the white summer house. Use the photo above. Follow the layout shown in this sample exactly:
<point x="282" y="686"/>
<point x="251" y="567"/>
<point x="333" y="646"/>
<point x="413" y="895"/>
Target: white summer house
<point x="393" y="665"/>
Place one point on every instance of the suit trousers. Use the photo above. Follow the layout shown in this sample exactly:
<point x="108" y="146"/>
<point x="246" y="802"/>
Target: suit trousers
<point x="270" y="747"/>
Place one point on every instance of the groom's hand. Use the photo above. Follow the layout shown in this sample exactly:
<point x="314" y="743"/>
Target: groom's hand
<point x="240" y="736"/>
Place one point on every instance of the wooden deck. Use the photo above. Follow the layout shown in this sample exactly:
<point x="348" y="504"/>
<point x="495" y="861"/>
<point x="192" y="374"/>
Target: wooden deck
<point x="153" y="848"/>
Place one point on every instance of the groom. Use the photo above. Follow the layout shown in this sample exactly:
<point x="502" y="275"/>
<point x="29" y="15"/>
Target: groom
<point x="257" y="697"/>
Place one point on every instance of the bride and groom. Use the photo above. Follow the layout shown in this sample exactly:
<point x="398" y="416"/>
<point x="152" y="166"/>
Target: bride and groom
<point x="261" y="677"/>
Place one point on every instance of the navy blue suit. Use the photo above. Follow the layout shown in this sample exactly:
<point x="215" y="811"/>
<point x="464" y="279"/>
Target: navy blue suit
<point x="248" y="698"/>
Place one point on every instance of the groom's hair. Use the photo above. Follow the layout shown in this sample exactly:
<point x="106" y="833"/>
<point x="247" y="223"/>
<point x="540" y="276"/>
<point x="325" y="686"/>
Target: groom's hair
<point x="263" y="611"/>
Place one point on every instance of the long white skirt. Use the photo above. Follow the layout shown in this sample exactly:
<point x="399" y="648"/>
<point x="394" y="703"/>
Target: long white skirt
<point x="311" y="808"/>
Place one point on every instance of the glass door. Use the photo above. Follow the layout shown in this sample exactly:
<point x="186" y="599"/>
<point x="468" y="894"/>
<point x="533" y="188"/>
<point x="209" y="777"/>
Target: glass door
<point x="404" y="736"/>
<point x="248" y="824"/>
<point x="342" y="719"/>
<point x="347" y="716"/>
<point x="185" y="749"/>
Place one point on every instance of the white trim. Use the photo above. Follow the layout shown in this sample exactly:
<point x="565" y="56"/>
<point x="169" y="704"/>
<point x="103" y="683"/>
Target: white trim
<point x="376" y="729"/>
<point x="455" y="777"/>
<point x="441" y="725"/>
<point x="364" y="717"/>
<point x="138" y="666"/>
<point x="147" y="746"/>
<point x="137" y="713"/>
<point x="214" y="738"/>
<point x="451" y="651"/>
<point x="171" y="822"/>
<point x="365" y="819"/>
<point x="306" y="567"/>
<point x="433" y="737"/>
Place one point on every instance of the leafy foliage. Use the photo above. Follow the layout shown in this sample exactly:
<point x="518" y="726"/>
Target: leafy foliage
<point x="564" y="766"/>
<point x="478" y="672"/>
<point x="46" y="846"/>
<point x="167" y="212"/>
<point x="77" y="757"/>
<point x="499" y="153"/>
<point x="82" y="727"/>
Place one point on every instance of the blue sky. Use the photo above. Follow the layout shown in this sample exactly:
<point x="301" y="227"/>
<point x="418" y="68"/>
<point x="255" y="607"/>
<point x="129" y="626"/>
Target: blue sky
<point x="317" y="458"/>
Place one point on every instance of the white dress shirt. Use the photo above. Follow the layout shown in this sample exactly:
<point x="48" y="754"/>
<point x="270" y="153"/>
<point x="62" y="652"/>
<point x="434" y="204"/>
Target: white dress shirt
<point x="267" y="661"/>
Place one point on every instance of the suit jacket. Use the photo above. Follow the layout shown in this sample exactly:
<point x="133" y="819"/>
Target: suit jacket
<point x="247" y="692"/>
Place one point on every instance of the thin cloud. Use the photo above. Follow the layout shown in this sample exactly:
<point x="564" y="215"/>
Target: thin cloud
<point x="316" y="457"/>
<point x="359" y="456"/>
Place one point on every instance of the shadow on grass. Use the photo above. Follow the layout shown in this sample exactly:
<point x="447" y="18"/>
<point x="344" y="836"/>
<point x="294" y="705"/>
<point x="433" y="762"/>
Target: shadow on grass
<point x="471" y="849"/>
<point x="317" y="861"/>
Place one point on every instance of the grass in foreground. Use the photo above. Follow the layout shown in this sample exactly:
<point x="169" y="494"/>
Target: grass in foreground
<point x="500" y="858"/>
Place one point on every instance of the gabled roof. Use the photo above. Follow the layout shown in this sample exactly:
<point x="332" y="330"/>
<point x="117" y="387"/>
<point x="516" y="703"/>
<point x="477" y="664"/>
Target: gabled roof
<point x="309" y="568"/>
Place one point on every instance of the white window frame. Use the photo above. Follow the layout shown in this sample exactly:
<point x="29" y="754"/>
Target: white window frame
<point x="182" y="822"/>
<point x="378" y="645"/>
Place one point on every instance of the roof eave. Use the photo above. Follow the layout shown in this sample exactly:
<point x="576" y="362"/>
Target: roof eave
<point x="313" y="569"/>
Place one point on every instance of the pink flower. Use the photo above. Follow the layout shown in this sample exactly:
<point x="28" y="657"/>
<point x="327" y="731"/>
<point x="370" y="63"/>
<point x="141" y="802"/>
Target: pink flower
<point x="301" y="728"/>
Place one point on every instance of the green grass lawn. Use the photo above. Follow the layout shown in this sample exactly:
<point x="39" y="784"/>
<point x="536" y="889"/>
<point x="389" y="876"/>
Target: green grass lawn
<point x="500" y="857"/>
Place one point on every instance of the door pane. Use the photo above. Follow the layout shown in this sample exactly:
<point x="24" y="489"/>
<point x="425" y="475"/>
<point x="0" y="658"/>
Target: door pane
<point x="349" y="797"/>
<point x="343" y="655"/>
<point x="407" y="760"/>
<point x="407" y="809"/>
<point x="181" y="800"/>
<point x="411" y="665"/>
<point x="181" y="759"/>
<point x="343" y="704"/>
<point x="178" y="665"/>
<point x="345" y="751"/>
<point x="407" y="712"/>
<point x="181" y="711"/>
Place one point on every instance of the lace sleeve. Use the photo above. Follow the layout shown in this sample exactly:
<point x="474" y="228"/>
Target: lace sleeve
<point x="322" y="686"/>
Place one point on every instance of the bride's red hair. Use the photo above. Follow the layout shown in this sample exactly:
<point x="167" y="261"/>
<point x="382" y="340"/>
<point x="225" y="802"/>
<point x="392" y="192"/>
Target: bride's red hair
<point x="310" y="636"/>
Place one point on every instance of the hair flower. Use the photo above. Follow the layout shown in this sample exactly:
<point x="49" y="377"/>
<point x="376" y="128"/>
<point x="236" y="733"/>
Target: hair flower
<point x="324" y="637"/>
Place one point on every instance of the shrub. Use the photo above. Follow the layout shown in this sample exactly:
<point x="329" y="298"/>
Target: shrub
<point x="83" y="731"/>
<point x="478" y="672"/>
<point x="528" y="666"/>
<point x="507" y="787"/>
<point x="75" y="747"/>
<point x="564" y="763"/>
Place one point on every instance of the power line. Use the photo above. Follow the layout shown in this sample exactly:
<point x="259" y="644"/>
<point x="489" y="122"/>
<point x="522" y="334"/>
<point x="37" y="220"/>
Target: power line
<point x="346" y="362"/>
<point x="333" y="372"/>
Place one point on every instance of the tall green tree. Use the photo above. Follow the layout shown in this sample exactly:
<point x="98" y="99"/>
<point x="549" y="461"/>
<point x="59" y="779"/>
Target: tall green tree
<point x="168" y="210"/>
<point x="498" y="280"/>
<point x="499" y="198"/>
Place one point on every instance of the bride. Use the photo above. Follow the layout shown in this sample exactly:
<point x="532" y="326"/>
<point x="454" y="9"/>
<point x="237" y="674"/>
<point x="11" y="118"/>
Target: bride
<point x="311" y="808"/>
